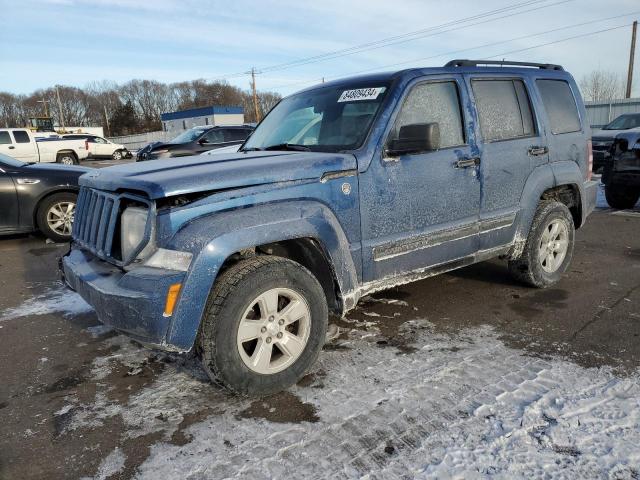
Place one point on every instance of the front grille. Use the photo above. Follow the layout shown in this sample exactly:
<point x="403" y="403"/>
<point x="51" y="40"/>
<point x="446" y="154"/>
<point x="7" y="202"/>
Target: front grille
<point x="95" y="221"/>
<point x="96" y="226"/>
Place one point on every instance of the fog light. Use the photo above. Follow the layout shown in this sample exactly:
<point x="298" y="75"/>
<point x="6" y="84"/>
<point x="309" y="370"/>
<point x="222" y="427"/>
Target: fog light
<point x="172" y="298"/>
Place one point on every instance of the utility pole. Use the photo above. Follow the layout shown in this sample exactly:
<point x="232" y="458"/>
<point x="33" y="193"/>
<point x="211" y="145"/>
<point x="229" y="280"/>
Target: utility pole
<point x="632" y="55"/>
<point x="44" y="104"/>
<point x="106" y="118"/>
<point x="60" y="110"/>
<point x="255" y="95"/>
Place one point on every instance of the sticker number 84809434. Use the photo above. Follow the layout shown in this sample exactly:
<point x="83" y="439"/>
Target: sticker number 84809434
<point x="360" y="94"/>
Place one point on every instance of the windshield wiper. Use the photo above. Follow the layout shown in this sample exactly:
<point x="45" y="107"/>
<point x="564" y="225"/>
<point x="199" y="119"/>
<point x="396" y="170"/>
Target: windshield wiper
<point x="288" y="146"/>
<point x="252" y="149"/>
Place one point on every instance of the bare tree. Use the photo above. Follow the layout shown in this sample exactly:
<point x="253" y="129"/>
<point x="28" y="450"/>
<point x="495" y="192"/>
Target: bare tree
<point x="602" y="86"/>
<point x="132" y="107"/>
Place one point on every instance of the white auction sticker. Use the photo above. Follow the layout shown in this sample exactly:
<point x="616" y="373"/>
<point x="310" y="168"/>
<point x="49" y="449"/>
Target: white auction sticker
<point x="360" y="94"/>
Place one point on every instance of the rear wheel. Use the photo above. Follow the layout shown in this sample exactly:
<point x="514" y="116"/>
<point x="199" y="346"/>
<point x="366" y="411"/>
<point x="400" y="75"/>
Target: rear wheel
<point x="549" y="247"/>
<point x="621" y="197"/>
<point x="55" y="216"/>
<point x="264" y="326"/>
<point x="67" y="158"/>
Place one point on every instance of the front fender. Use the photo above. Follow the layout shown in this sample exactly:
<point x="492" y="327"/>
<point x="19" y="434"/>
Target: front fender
<point x="212" y="239"/>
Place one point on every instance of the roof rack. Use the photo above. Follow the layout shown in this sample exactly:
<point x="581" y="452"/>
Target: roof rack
<point x="502" y="63"/>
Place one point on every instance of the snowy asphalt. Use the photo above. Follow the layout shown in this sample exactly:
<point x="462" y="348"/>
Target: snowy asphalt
<point x="464" y="375"/>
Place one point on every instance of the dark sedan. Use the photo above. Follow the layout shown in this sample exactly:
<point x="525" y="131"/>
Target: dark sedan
<point x="37" y="196"/>
<point x="196" y="141"/>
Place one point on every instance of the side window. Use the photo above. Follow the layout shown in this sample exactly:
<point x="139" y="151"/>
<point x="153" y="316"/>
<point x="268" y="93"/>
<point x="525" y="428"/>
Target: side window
<point x="504" y="109"/>
<point x="214" y="136"/>
<point x="434" y="102"/>
<point x="99" y="140"/>
<point x="5" y="138"/>
<point x="560" y="106"/>
<point x="21" y="136"/>
<point x="234" y="134"/>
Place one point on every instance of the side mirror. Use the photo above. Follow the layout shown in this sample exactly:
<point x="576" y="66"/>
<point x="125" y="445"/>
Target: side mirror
<point x="203" y="141"/>
<point x="415" y="138"/>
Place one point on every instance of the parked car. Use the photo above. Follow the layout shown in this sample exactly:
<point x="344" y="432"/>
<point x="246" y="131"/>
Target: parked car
<point x="603" y="139"/>
<point x="21" y="144"/>
<point x="621" y="175"/>
<point x="195" y="141"/>
<point x="100" y="147"/>
<point x="407" y="175"/>
<point x="38" y="197"/>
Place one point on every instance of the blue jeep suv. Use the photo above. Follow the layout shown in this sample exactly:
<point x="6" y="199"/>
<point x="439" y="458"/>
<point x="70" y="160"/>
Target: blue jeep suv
<point x="344" y="189"/>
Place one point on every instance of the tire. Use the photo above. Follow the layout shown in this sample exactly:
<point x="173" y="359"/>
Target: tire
<point x="67" y="158"/>
<point x="541" y="268"/>
<point x="54" y="209"/>
<point x="117" y="155"/>
<point x="620" y="197"/>
<point x="235" y="364"/>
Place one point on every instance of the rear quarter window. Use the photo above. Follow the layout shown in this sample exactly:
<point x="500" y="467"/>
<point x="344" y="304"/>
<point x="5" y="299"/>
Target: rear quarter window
<point x="560" y="105"/>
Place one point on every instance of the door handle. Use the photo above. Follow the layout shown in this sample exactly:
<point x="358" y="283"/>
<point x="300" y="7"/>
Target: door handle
<point x="535" y="150"/>
<point x="467" y="162"/>
<point x="11" y="147"/>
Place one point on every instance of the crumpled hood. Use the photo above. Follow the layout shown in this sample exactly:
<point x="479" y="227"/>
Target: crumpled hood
<point x="176" y="176"/>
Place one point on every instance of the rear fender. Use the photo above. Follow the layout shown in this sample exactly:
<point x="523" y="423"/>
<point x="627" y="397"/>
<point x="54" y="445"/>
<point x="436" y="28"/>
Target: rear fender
<point x="212" y="239"/>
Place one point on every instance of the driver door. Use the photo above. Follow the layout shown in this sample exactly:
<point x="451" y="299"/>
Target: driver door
<point x="212" y="139"/>
<point x="420" y="210"/>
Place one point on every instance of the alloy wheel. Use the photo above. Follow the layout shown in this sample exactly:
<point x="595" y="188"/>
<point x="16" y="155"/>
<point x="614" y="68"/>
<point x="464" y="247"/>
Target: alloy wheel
<point x="60" y="217"/>
<point x="274" y="330"/>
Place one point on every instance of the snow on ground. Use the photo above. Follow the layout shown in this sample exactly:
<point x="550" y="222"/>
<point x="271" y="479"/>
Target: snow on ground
<point x="52" y="300"/>
<point x="463" y="406"/>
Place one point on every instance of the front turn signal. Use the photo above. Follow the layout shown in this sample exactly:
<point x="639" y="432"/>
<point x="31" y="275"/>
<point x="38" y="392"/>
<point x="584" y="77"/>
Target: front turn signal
<point x="172" y="298"/>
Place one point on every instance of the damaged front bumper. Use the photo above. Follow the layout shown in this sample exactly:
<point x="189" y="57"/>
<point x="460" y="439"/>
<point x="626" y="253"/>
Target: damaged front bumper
<point x="130" y="301"/>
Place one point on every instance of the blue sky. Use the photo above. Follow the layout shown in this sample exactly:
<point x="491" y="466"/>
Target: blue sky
<point x="74" y="42"/>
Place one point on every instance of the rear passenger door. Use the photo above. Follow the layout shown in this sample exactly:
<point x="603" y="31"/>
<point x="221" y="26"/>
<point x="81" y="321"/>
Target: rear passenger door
<point x="513" y="144"/>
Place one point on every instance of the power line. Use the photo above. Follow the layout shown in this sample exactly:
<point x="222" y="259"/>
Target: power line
<point x="561" y="40"/>
<point x="417" y="34"/>
<point x="486" y="45"/>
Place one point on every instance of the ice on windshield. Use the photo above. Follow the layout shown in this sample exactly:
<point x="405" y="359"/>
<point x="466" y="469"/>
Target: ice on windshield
<point x="325" y="119"/>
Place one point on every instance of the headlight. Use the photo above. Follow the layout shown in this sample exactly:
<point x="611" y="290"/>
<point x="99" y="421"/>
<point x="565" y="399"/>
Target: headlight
<point x="169" y="259"/>
<point x="132" y="226"/>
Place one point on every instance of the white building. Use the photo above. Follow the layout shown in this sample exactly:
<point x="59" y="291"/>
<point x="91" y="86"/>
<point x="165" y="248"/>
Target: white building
<point x="196" y="117"/>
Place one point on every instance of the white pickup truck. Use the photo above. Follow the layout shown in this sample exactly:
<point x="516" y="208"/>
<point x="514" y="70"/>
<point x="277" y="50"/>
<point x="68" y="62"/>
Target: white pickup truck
<point x="21" y="144"/>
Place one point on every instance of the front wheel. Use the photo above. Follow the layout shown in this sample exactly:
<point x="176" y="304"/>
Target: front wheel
<point x="620" y="197"/>
<point x="264" y="325"/>
<point x="55" y="216"/>
<point x="549" y="247"/>
<point x="117" y="155"/>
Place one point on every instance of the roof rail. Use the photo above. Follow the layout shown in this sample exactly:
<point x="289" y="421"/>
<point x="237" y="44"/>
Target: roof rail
<point x="502" y="63"/>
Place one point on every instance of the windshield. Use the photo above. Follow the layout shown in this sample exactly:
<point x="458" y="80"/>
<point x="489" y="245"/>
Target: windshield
<point x="624" y="122"/>
<point x="10" y="162"/>
<point x="325" y="119"/>
<point x="189" y="135"/>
